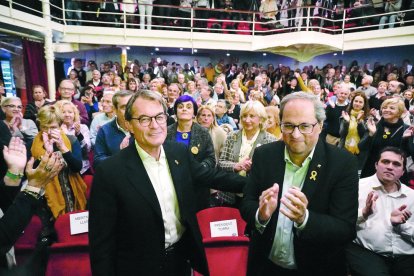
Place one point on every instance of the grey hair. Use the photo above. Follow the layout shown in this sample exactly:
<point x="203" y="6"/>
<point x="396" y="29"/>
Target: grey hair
<point x="317" y="104"/>
<point x="147" y="95"/>
<point x="120" y="94"/>
<point x="6" y="100"/>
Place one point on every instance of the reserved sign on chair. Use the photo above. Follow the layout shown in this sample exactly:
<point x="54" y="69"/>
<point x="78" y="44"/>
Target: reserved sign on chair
<point x="79" y="223"/>
<point x="224" y="228"/>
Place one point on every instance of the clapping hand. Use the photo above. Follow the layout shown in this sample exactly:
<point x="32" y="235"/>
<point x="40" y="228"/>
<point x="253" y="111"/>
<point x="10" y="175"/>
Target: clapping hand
<point x="50" y="165"/>
<point x="296" y="204"/>
<point x="369" y="204"/>
<point x="400" y="215"/>
<point x="15" y="155"/>
<point x="268" y="203"/>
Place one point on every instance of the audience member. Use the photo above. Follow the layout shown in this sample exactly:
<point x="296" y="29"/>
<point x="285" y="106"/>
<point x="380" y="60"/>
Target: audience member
<point x="114" y="135"/>
<point x="384" y="242"/>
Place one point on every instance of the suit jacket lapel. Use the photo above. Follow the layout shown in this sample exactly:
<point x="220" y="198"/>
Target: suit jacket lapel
<point x="316" y="172"/>
<point x="139" y="179"/>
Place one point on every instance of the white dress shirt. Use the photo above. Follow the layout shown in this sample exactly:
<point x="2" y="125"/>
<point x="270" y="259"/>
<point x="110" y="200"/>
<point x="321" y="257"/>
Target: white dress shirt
<point x="161" y="180"/>
<point x="377" y="233"/>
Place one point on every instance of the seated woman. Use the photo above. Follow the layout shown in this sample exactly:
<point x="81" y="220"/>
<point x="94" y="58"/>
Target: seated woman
<point x="67" y="191"/>
<point x="237" y="153"/>
<point x="90" y="101"/>
<point x="273" y="122"/>
<point x="39" y="100"/>
<point x="387" y="132"/>
<point x="195" y="137"/>
<point x="72" y="126"/>
<point x="353" y="127"/>
<point x="24" y="128"/>
<point x="207" y="118"/>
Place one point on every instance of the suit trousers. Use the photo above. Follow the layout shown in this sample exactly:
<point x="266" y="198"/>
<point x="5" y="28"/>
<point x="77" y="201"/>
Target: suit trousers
<point x="364" y="262"/>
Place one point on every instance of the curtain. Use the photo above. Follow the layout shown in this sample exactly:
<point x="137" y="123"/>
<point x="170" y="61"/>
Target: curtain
<point x="35" y="66"/>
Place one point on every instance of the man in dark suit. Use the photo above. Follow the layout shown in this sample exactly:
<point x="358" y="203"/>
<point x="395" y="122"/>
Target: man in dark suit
<point x="301" y="198"/>
<point x="142" y="206"/>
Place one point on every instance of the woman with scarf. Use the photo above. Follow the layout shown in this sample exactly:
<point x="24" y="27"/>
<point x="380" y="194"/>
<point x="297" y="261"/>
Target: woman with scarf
<point x="67" y="191"/>
<point x="387" y="132"/>
<point x="352" y="127"/>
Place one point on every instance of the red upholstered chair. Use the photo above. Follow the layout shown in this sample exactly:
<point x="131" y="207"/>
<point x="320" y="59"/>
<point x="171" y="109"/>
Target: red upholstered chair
<point x="213" y="23"/>
<point x="226" y="256"/>
<point x="243" y="28"/>
<point x="26" y="244"/>
<point x="88" y="181"/>
<point x="70" y="254"/>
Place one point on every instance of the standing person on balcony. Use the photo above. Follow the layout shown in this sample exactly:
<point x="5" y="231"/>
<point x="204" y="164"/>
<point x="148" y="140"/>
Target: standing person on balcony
<point x="145" y="12"/>
<point x="73" y="12"/>
<point x="390" y="6"/>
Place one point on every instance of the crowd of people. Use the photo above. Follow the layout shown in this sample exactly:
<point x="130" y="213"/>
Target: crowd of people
<point x="162" y="14"/>
<point x="161" y="122"/>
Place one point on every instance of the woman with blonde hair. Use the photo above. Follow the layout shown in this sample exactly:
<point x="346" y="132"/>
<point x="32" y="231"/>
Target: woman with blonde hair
<point x="237" y="153"/>
<point x="206" y="117"/>
<point x="71" y="126"/>
<point x="235" y="87"/>
<point x="67" y="191"/>
<point x="389" y="131"/>
<point x="273" y="121"/>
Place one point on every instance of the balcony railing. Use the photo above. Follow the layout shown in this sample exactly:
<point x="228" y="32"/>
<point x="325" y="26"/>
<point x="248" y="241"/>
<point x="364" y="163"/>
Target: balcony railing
<point x="222" y="21"/>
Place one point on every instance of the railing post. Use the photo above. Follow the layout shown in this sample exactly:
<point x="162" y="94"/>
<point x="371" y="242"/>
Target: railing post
<point x="49" y="54"/>
<point x="307" y="19"/>
<point x="64" y="12"/>
<point x="11" y="8"/>
<point x="254" y="23"/>
<point x="343" y="30"/>
<point x="125" y="26"/>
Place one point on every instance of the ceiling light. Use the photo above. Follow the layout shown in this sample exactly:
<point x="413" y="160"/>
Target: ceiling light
<point x="195" y="50"/>
<point x="228" y="54"/>
<point x="157" y="49"/>
<point x="264" y="54"/>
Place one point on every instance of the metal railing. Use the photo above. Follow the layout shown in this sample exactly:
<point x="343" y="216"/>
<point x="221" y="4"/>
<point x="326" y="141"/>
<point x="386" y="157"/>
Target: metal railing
<point x="219" y="20"/>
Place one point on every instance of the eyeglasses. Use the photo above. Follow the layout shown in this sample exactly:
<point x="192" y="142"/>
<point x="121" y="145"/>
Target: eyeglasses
<point x="66" y="89"/>
<point x="12" y="106"/>
<point x="146" y="120"/>
<point x="303" y="128"/>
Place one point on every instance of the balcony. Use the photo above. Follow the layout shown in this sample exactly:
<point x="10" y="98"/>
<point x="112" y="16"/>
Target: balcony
<point x="310" y="36"/>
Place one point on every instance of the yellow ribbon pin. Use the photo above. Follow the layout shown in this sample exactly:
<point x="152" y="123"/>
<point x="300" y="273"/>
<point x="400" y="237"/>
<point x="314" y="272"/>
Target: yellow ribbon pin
<point x="313" y="175"/>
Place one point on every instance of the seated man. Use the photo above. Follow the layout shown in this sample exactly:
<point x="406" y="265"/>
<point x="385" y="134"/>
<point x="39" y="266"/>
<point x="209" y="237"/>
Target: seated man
<point x="104" y="117"/>
<point x="113" y="136"/>
<point x="222" y="107"/>
<point x="385" y="228"/>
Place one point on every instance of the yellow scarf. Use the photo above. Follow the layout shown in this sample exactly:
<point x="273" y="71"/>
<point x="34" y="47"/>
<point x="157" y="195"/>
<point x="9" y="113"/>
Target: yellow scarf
<point x="53" y="191"/>
<point x="352" y="138"/>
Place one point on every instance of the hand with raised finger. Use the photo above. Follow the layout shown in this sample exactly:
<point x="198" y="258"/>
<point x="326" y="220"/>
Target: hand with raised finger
<point x="268" y="203"/>
<point x="400" y="215"/>
<point x="295" y="204"/>
<point x="50" y="165"/>
<point x="369" y="204"/>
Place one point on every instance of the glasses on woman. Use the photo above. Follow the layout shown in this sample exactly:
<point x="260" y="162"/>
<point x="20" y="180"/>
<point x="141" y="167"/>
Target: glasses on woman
<point x="146" y="120"/>
<point x="303" y="128"/>
<point x="12" y="106"/>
